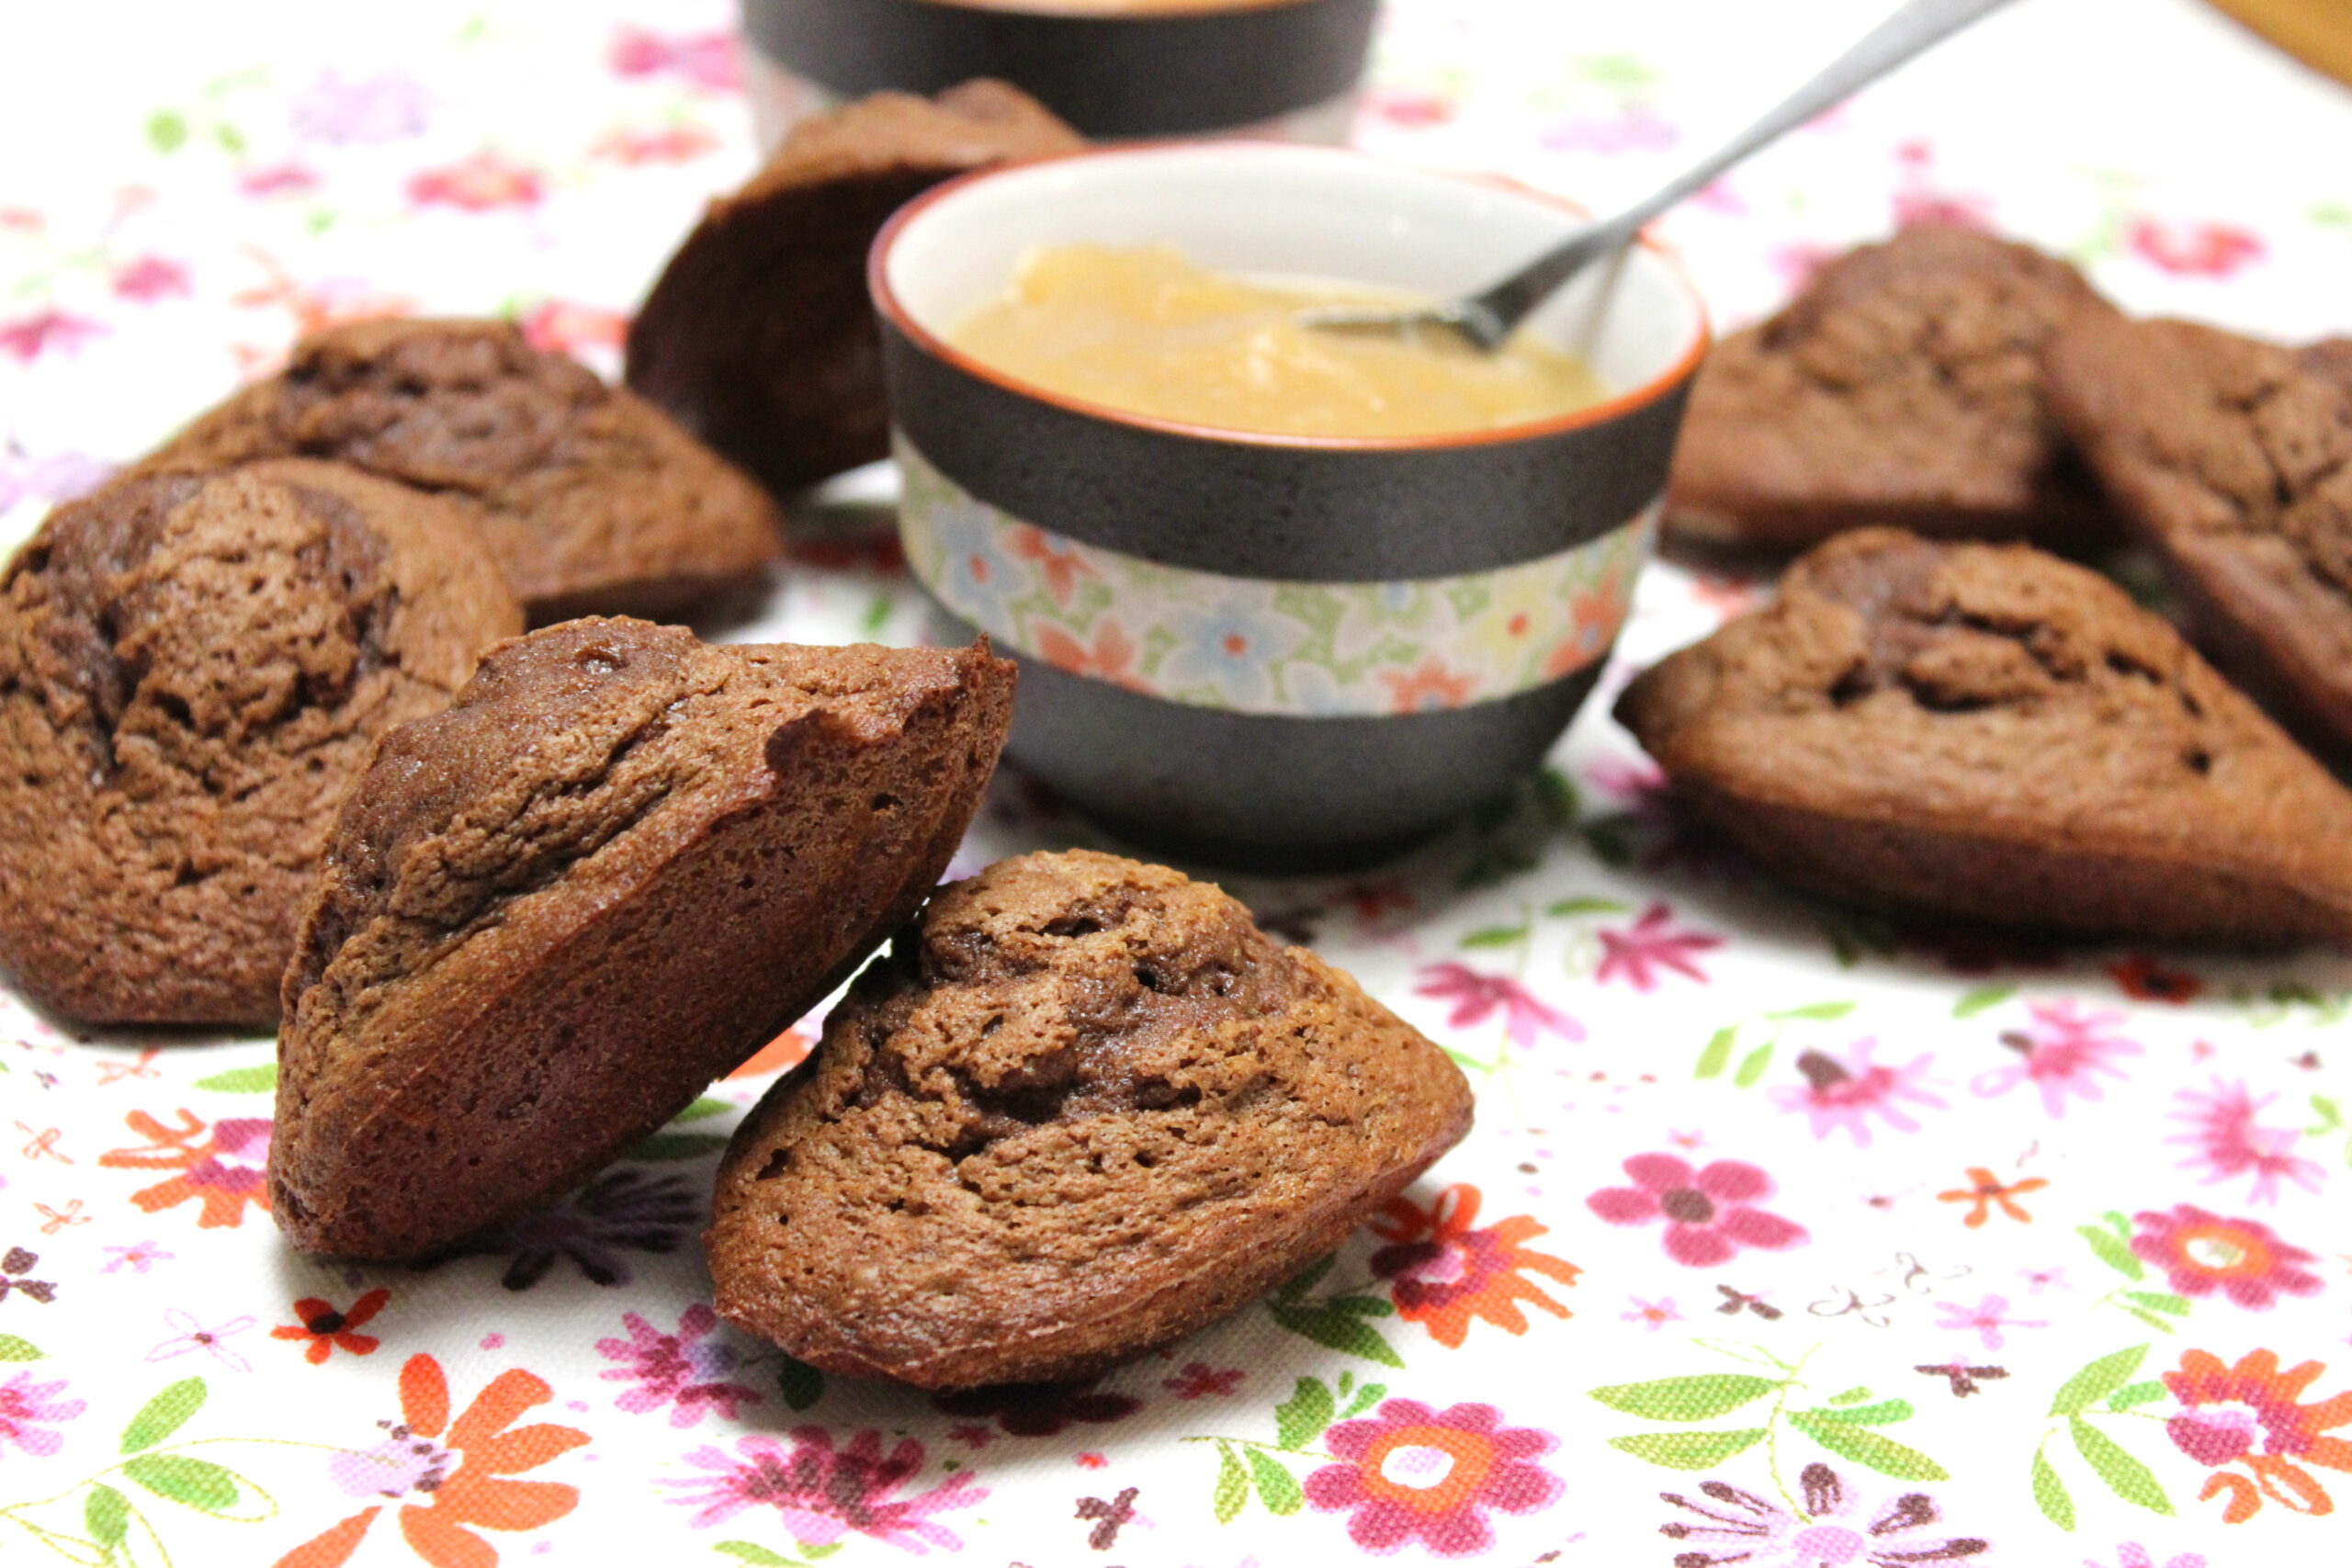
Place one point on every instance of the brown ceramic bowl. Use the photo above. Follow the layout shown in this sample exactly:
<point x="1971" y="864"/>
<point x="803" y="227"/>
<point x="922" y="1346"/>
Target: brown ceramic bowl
<point x="1277" y="651"/>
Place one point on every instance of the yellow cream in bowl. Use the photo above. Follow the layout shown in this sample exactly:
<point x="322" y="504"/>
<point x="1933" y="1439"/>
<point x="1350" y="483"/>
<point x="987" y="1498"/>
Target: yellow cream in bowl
<point x="1144" y="330"/>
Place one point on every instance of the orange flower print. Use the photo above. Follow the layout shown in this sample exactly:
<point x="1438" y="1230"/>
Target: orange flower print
<point x="2249" y="1415"/>
<point x="1428" y="686"/>
<point x="1112" y="657"/>
<point x="329" y="1330"/>
<point x="461" y="1476"/>
<point x="1061" y="568"/>
<point x="1447" y="1273"/>
<point x="224" y="1170"/>
<point x="1986" y="1194"/>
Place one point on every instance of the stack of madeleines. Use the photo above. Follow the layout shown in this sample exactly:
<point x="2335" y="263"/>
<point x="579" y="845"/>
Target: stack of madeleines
<point x="278" y="754"/>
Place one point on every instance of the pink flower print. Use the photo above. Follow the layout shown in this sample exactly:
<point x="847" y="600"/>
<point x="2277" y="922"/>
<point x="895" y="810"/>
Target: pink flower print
<point x="140" y="1255"/>
<point x="566" y="326"/>
<point x="60" y="477"/>
<point x="1652" y="1315"/>
<point x="1921" y="201"/>
<point x="634" y="146"/>
<point x="1709" y="1216"/>
<point x="2131" y="1555"/>
<point x="2201" y="1252"/>
<point x="1409" y="108"/>
<point x="1986" y="1319"/>
<point x="1476" y="997"/>
<point x="150" y="278"/>
<point x="480" y="183"/>
<point x="1636" y="129"/>
<point x="1837" y="1527"/>
<point x="27" y="338"/>
<point x="360" y="111"/>
<point x="2224" y="1141"/>
<point x="1198" y="1380"/>
<point x="820" y="1494"/>
<point x="27" y="1409"/>
<point x="2193" y="250"/>
<point x="193" y="1336"/>
<point x="2063" y="1051"/>
<point x="1848" y="1093"/>
<point x="271" y="180"/>
<point x="683" y="1370"/>
<point x="703" y="59"/>
<point x="1410" y="1472"/>
<point x="1651" y="941"/>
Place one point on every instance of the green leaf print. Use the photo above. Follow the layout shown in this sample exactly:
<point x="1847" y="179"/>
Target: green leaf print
<point x="1851" y="1396"/>
<point x="1232" y="1492"/>
<point x="106" y="1514"/>
<point x="1276" y="1485"/>
<point x="1306" y="1278"/>
<point x="703" y="1109"/>
<point x="1881" y="1454"/>
<point x="258" y="1079"/>
<point x="1688" y="1450"/>
<point x="2157" y="1301"/>
<point x="663" y="1147"/>
<point x="802" y="1384"/>
<point x="1496" y="936"/>
<point x="2095" y="1381"/>
<point x="167" y="130"/>
<point x="1819" y="1012"/>
<point x="1983" y="999"/>
<point x="14" y="1349"/>
<point x="1718" y="1055"/>
<point x="1685" y="1399"/>
<point x="199" y="1483"/>
<point x="1301" y="1419"/>
<point x="1366" y="1397"/>
<point x="1336" y="1329"/>
<point x="164" y="1415"/>
<point x="1555" y="796"/>
<point x="1565" y="907"/>
<point x="2111" y="1251"/>
<point x="2050" y="1493"/>
<point x="1877" y="1414"/>
<point x="2125" y="1476"/>
<point x="2135" y="1393"/>
<point x="753" y="1553"/>
<point x="1753" y="1067"/>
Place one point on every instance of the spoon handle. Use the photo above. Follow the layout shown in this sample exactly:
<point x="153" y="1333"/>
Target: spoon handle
<point x="1908" y="31"/>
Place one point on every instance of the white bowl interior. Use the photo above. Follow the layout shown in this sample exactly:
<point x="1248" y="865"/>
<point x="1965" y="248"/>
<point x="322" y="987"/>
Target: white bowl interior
<point x="1260" y="208"/>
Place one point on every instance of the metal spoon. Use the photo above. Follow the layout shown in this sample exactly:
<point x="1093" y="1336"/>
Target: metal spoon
<point x="1486" y="319"/>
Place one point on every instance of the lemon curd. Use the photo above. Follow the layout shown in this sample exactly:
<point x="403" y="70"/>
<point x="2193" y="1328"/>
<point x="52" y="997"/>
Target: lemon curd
<point x="1144" y="330"/>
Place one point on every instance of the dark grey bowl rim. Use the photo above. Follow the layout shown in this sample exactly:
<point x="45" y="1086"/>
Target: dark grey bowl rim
<point x="887" y="302"/>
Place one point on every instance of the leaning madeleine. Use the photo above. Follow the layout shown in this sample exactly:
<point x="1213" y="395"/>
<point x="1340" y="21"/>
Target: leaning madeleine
<point x="1084" y="1107"/>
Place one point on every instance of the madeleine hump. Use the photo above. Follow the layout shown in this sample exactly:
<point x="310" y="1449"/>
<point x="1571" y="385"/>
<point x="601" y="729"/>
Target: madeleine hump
<point x="1084" y="1107"/>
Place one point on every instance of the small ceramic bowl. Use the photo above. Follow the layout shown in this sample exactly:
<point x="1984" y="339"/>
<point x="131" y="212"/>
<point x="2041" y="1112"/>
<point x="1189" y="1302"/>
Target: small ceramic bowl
<point x="1112" y="68"/>
<point x="1275" y="651"/>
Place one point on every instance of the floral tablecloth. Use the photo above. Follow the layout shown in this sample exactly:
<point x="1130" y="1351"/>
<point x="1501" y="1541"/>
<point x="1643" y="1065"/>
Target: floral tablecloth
<point x="1786" y="1237"/>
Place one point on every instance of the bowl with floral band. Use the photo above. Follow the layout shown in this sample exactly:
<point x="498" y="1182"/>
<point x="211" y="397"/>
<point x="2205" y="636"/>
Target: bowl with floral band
<point x="1268" y="648"/>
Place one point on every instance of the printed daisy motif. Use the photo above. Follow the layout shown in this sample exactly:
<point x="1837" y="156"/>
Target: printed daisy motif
<point x="1636" y="953"/>
<point x="1836" y="1527"/>
<point x="686" y="1371"/>
<point x="1985" y="1192"/>
<point x="1038" y="1409"/>
<point x="458" y="1469"/>
<point x="2131" y="1555"/>
<point x="29" y="1411"/>
<point x="360" y="111"/>
<point x="329" y="1330"/>
<point x="1408" y="1472"/>
<point x="1844" y="1093"/>
<point x="194" y="1336"/>
<point x="2225" y="1142"/>
<point x="822" y="1494"/>
<point x="2250" y="1414"/>
<point x="2063" y="1051"/>
<point x="2201" y="1252"/>
<point x="222" y="1169"/>
<point x="621" y="1210"/>
<point x="1446" y="1273"/>
<point x="15" y="1265"/>
<point x="1986" y="1319"/>
<point x="1478" y="996"/>
<point x="1710" y="1214"/>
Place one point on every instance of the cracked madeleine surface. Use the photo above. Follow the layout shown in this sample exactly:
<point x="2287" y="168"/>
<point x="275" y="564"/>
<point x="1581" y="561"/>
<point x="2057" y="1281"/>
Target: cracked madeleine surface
<point x="192" y="670"/>
<point x="592" y="501"/>
<point x="620" y="863"/>
<point x="1989" y="733"/>
<point x="2232" y="457"/>
<point x="1904" y="385"/>
<point x="1084" y="1107"/>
